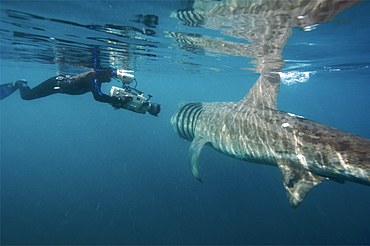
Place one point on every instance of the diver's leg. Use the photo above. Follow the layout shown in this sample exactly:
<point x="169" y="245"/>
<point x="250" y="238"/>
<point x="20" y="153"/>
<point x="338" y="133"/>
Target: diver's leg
<point x="44" y="89"/>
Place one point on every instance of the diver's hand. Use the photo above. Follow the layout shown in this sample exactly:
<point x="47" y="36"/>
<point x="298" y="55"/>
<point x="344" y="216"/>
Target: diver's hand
<point x="120" y="102"/>
<point x="126" y="98"/>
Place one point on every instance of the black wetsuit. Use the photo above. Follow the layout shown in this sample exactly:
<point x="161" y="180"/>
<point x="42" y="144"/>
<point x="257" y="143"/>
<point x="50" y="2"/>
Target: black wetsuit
<point x="72" y="85"/>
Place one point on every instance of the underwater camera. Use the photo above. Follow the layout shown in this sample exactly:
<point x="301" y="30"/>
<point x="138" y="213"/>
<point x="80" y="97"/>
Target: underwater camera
<point x="139" y="103"/>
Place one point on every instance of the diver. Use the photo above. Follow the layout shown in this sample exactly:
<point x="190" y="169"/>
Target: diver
<point x="77" y="85"/>
<point x="72" y="85"/>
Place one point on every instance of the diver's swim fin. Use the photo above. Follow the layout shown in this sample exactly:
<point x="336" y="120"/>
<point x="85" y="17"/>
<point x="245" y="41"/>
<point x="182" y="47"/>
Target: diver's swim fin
<point x="7" y="89"/>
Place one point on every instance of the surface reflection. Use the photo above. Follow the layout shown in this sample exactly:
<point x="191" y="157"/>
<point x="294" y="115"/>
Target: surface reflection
<point x="265" y="24"/>
<point x="105" y="45"/>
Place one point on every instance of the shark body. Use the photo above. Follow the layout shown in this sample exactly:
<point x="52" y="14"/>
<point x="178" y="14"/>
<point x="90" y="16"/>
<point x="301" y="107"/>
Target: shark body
<point x="254" y="130"/>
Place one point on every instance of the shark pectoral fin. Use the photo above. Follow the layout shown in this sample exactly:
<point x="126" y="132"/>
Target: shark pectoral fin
<point x="194" y="153"/>
<point x="298" y="182"/>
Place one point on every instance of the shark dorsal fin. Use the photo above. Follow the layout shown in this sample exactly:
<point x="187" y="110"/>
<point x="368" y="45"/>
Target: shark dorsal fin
<point x="264" y="92"/>
<point x="298" y="182"/>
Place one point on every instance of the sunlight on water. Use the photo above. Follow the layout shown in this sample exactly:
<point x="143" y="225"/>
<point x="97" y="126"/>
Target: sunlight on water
<point x="293" y="77"/>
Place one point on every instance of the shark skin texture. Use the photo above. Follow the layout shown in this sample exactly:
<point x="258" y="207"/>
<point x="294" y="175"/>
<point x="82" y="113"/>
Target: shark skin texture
<point x="254" y="130"/>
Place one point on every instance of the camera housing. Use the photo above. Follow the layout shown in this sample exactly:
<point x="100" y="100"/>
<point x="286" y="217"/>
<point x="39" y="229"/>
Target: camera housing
<point x="138" y="103"/>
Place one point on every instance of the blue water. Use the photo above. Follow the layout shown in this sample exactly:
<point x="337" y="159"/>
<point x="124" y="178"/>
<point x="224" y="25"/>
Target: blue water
<point x="75" y="171"/>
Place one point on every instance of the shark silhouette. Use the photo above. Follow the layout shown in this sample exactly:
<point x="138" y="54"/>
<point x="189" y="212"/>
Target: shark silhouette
<point x="254" y="130"/>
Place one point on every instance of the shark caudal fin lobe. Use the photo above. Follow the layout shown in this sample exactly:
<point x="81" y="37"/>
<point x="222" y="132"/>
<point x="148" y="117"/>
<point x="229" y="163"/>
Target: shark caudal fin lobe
<point x="194" y="153"/>
<point x="298" y="182"/>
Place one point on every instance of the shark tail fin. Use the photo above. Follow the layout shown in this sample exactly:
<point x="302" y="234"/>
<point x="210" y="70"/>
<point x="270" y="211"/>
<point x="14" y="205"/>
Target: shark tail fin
<point x="194" y="153"/>
<point x="298" y="182"/>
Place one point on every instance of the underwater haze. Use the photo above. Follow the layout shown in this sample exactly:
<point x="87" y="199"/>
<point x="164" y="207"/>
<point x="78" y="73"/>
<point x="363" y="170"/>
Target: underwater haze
<point x="76" y="171"/>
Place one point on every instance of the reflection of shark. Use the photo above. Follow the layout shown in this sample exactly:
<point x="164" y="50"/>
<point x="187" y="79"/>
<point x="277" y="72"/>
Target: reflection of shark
<point x="259" y="28"/>
<point x="254" y="130"/>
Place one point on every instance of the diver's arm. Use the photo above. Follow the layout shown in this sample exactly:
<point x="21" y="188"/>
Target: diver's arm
<point x="116" y="102"/>
<point x="105" y="75"/>
<point x="100" y="96"/>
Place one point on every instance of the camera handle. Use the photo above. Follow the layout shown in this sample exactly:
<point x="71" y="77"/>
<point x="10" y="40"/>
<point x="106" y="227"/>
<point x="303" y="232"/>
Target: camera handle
<point x="129" y="88"/>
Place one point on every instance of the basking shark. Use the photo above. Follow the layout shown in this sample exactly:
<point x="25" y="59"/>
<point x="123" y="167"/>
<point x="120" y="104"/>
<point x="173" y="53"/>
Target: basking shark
<point x="254" y="130"/>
